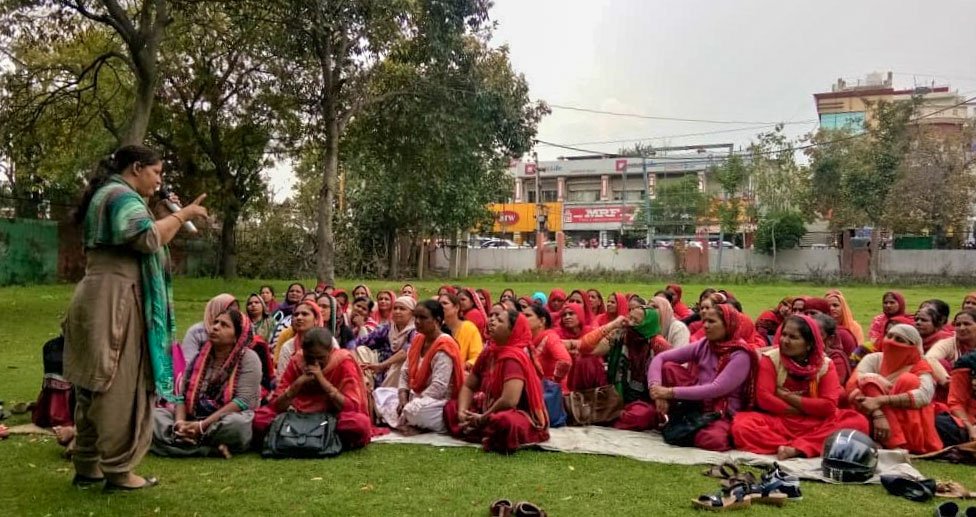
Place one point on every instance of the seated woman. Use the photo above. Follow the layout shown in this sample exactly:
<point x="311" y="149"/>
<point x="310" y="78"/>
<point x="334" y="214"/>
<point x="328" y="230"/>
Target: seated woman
<point x="472" y="310"/>
<point x="507" y="294"/>
<point x="969" y="301"/>
<point x="408" y="290"/>
<point x="547" y="347"/>
<point x="628" y="344"/>
<point x="282" y="316"/>
<point x="430" y="377"/>
<point x="260" y="318"/>
<point x="501" y="403"/>
<point x="268" y="297"/>
<point x="616" y="306"/>
<point x="958" y="424"/>
<point x="597" y="306"/>
<point x="894" y="388"/>
<point x="841" y="311"/>
<point x="672" y="330"/>
<point x="384" y="307"/>
<point x="718" y="377"/>
<point x="384" y="350"/>
<point x="579" y="297"/>
<point x="892" y="305"/>
<point x="797" y="392"/>
<point x="836" y="354"/>
<point x="465" y="333"/>
<point x="929" y="324"/>
<point x="555" y="301"/>
<point x="222" y="390"/>
<point x="588" y="371"/>
<point x="305" y="317"/>
<point x="361" y="317"/>
<point x="484" y="296"/>
<point x="199" y="332"/>
<point x="769" y="321"/>
<point x="946" y="352"/>
<point x="681" y="311"/>
<point x="321" y="378"/>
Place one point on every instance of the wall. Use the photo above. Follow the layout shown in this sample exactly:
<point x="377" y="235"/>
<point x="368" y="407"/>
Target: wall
<point x="806" y="263"/>
<point x="28" y="251"/>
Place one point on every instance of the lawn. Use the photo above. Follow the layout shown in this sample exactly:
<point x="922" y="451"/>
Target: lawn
<point x="391" y="479"/>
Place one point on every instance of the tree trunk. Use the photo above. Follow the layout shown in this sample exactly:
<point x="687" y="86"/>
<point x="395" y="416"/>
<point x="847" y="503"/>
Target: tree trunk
<point x="142" y="106"/>
<point x="228" y="242"/>
<point x="394" y="244"/>
<point x="875" y="246"/>
<point x="325" y="265"/>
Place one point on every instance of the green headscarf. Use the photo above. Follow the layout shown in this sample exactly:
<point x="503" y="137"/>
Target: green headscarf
<point x="651" y="326"/>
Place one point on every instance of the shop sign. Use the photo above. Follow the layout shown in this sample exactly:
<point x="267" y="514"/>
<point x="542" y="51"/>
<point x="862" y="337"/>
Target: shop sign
<point x="598" y="214"/>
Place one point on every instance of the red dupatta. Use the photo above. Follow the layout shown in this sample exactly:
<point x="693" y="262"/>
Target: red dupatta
<point x="588" y="315"/>
<point x="607" y="317"/>
<point x="514" y="349"/>
<point x="419" y="366"/>
<point x="198" y="384"/>
<point x="565" y="333"/>
<point x="477" y="314"/>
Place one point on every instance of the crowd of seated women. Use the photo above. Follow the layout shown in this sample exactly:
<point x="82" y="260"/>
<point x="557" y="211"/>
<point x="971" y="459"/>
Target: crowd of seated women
<point x="481" y="369"/>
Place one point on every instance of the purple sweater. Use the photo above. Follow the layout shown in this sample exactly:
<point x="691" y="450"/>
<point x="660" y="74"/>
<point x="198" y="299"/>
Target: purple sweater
<point x="711" y="384"/>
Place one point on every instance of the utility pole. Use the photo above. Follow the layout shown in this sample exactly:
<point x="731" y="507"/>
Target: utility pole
<point x="649" y="239"/>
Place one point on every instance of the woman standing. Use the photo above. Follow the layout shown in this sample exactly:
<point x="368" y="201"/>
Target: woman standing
<point x="119" y="327"/>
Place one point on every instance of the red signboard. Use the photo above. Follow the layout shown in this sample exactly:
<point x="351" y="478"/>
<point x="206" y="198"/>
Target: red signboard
<point x="507" y="217"/>
<point x="530" y="169"/>
<point x="620" y="165"/>
<point x="598" y="214"/>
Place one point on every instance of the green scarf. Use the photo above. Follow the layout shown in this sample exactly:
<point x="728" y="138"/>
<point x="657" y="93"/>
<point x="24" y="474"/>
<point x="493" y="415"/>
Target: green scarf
<point x="116" y="216"/>
<point x="651" y="326"/>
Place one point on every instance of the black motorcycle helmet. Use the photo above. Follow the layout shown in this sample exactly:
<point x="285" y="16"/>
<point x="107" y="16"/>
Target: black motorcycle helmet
<point x="849" y="456"/>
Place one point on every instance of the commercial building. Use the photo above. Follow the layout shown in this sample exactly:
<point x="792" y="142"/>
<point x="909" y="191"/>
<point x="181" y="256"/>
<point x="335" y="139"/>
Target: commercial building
<point x="599" y="196"/>
<point x="847" y="105"/>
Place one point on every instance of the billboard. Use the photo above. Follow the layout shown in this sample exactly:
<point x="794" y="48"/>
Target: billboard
<point x="521" y="217"/>
<point x="599" y="214"/>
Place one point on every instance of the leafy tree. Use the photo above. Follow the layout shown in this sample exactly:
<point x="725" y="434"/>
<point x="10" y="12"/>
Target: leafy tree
<point x="778" y="231"/>
<point x="779" y="183"/>
<point x="676" y="208"/>
<point x="731" y="176"/>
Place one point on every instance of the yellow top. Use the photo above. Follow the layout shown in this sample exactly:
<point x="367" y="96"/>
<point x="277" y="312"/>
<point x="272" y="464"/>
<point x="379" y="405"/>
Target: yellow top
<point x="468" y="338"/>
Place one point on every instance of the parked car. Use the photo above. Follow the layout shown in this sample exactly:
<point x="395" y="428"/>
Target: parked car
<point x="500" y="244"/>
<point x="725" y="244"/>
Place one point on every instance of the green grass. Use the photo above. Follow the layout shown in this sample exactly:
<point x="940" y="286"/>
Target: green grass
<point x="388" y="479"/>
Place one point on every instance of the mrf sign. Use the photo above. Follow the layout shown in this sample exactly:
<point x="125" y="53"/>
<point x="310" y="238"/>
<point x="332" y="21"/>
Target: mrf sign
<point x="598" y="214"/>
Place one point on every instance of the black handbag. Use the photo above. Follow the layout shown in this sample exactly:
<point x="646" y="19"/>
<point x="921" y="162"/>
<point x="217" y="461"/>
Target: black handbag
<point x="684" y="423"/>
<point x="302" y="435"/>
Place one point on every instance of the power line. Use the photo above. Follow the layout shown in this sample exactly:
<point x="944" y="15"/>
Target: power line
<point x="668" y="137"/>
<point x="673" y="119"/>
<point x="773" y="151"/>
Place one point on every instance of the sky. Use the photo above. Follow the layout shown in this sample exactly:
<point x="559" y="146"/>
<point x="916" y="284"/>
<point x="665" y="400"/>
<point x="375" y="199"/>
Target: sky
<point x="750" y="63"/>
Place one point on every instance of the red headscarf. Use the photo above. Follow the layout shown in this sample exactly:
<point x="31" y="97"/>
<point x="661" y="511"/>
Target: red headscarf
<point x="587" y="312"/>
<point x="601" y="308"/>
<point x="733" y="343"/>
<point x="680" y="309"/>
<point x="419" y="366"/>
<point x="565" y="333"/>
<point x="477" y="314"/>
<point x="343" y="307"/>
<point x="812" y="303"/>
<point x="384" y="318"/>
<point x="816" y="357"/>
<point x="486" y="294"/>
<point x="556" y="294"/>
<point x="449" y="288"/>
<point x="514" y="349"/>
<point x="607" y="317"/>
<point x="896" y="356"/>
<point x="228" y="370"/>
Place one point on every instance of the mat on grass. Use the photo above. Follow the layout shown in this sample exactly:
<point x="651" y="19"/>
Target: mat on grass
<point x="651" y="447"/>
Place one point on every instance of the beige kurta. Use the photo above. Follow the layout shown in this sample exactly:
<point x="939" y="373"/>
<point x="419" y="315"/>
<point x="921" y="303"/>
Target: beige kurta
<point x="107" y="360"/>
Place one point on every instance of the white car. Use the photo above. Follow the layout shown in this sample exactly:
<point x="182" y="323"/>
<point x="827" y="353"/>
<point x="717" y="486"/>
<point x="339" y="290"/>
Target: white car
<point x="500" y="244"/>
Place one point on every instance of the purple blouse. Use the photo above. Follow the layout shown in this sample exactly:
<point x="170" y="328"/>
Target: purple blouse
<point x="711" y="384"/>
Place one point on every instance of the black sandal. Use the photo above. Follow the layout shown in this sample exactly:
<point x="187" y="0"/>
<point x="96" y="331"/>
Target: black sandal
<point x="83" y="482"/>
<point x="500" y="508"/>
<point x="722" y="501"/>
<point x="919" y="491"/>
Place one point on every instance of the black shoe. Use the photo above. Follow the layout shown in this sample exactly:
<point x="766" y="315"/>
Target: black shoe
<point x="112" y="487"/>
<point x="919" y="491"/>
<point x="947" y="509"/>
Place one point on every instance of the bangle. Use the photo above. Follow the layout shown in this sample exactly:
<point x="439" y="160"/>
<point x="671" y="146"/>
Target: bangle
<point x="178" y="218"/>
<point x="200" y="425"/>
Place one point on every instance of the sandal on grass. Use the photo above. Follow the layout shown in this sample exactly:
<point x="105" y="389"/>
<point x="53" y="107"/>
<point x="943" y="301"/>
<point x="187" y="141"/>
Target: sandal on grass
<point x="947" y="509"/>
<point x="919" y="491"/>
<point x="500" y="508"/>
<point x="726" y="470"/>
<point x="720" y="502"/>
<point x="527" y="509"/>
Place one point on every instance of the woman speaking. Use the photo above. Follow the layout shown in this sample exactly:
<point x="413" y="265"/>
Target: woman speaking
<point x="119" y="326"/>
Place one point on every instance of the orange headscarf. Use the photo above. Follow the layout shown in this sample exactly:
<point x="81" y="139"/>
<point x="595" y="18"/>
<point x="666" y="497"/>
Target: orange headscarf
<point x="419" y="365"/>
<point x="846" y="319"/>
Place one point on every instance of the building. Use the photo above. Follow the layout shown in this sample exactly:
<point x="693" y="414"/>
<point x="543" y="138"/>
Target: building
<point x="847" y="105"/>
<point x="598" y="196"/>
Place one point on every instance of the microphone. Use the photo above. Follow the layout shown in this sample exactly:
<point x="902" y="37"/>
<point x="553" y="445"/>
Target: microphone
<point x="164" y="194"/>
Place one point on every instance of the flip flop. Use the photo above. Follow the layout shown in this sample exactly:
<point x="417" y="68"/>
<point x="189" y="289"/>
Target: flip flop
<point x="112" y="487"/>
<point x="919" y="491"/>
<point x="724" y="471"/>
<point x="527" y="509"/>
<point x="500" y="508"/>
<point x="720" y="502"/>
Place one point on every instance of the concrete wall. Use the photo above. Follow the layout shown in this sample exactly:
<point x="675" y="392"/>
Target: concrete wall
<point x="806" y="263"/>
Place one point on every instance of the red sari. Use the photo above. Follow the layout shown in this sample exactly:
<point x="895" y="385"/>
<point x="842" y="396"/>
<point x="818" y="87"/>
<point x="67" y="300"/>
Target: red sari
<point x="607" y="317"/>
<point x="477" y="314"/>
<point x="507" y="430"/>
<point x="900" y="371"/>
<point x="549" y="350"/>
<point x="780" y="424"/>
<point x="680" y="309"/>
<point x="353" y="426"/>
